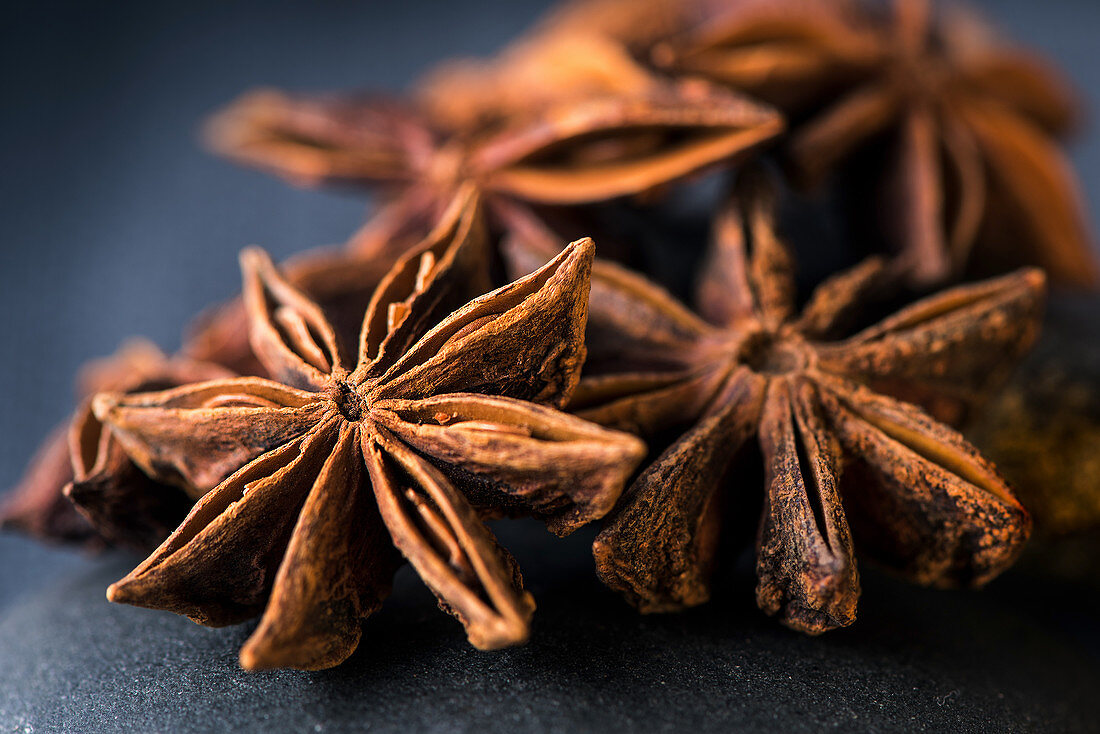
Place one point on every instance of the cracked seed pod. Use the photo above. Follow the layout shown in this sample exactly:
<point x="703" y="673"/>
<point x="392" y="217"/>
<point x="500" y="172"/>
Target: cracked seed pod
<point x="112" y="502"/>
<point x="326" y="474"/>
<point x="847" y="465"/>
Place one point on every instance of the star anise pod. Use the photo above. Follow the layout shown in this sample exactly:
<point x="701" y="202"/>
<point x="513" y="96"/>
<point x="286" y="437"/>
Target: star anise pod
<point x="974" y="183"/>
<point x="633" y="23"/>
<point x="578" y="51"/>
<point x="784" y="52"/>
<point x="615" y="140"/>
<point x="435" y="425"/>
<point x="340" y="283"/>
<point x="794" y="54"/>
<point x="920" y="499"/>
<point x="120" y="505"/>
<point x="112" y="502"/>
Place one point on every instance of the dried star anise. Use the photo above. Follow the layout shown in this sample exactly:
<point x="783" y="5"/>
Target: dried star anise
<point x="340" y="283"/>
<point x="920" y="498"/>
<point x="791" y="53"/>
<point x="435" y="426"/>
<point x="112" y="502"/>
<point x="581" y="51"/>
<point x="973" y="183"/>
<point x="615" y="138"/>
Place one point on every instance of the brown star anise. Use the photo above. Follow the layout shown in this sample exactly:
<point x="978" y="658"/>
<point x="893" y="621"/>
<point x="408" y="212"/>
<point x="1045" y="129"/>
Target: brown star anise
<point x="579" y="51"/>
<point x="332" y="460"/>
<point x="974" y="181"/>
<point x="794" y="54"/>
<point x="112" y="502"/>
<point x="920" y="498"/>
<point x="617" y="138"/>
<point x="341" y="283"/>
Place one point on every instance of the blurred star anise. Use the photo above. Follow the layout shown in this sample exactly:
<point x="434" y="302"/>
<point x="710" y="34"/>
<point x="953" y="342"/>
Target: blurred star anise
<point x="613" y="138"/>
<point x="433" y="427"/>
<point x="974" y="182"/>
<point x="794" y="54"/>
<point x="923" y="501"/>
<point x="580" y="52"/>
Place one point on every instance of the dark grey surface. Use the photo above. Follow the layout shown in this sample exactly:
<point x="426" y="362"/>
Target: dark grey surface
<point x="114" y="223"/>
<point x="917" y="660"/>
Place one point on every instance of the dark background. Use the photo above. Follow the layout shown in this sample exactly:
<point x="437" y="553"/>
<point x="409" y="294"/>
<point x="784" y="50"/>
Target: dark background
<point x="113" y="223"/>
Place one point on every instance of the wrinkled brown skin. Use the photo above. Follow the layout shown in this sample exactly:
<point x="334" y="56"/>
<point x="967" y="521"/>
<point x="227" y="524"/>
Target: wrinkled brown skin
<point x="321" y="472"/>
<point x="627" y="133"/>
<point x="976" y="183"/>
<point x="926" y="503"/>
<point x="80" y="487"/>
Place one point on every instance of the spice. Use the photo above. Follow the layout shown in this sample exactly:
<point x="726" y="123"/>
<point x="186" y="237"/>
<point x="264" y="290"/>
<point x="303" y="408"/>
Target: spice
<point x="923" y="501"/>
<point x="330" y="461"/>
<point x="112" y="502"/>
<point x="974" y="183"/>
<point x="581" y="51"/>
<point x="589" y="148"/>
<point x="342" y="284"/>
<point x="795" y="54"/>
<point x="355" y="407"/>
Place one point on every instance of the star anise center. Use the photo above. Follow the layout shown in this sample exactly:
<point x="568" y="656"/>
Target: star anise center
<point x="768" y="353"/>
<point x="348" y="401"/>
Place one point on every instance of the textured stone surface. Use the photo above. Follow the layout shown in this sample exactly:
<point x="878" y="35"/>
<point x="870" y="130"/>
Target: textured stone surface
<point x="1017" y="657"/>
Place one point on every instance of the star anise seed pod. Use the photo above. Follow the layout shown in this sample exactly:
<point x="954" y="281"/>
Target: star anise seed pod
<point x="614" y="142"/>
<point x="790" y="53"/>
<point x="341" y="283"/>
<point x="975" y="182"/>
<point x="920" y="499"/>
<point x="580" y="51"/>
<point x="333" y="461"/>
<point x="123" y="506"/>
<point x="81" y="487"/>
